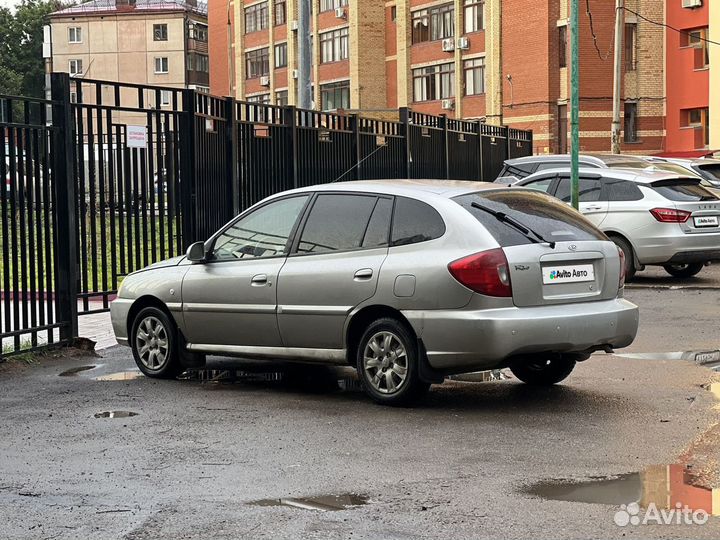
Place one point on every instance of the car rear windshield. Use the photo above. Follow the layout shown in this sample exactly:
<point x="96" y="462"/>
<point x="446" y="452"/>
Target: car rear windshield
<point x="683" y="190"/>
<point x="712" y="171"/>
<point x="542" y="213"/>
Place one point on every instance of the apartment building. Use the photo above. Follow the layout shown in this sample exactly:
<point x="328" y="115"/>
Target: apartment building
<point x="159" y="42"/>
<point x="504" y="61"/>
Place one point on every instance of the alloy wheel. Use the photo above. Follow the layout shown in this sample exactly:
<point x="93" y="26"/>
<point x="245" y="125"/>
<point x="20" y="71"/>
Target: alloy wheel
<point x="152" y="343"/>
<point x="385" y="362"/>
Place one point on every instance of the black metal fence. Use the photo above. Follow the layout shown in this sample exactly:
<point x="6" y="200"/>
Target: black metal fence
<point x="106" y="178"/>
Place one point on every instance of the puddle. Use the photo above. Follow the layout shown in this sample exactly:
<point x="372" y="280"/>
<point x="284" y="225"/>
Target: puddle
<point x="707" y="358"/>
<point x="321" y="503"/>
<point x="74" y="371"/>
<point x="664" y="486"/>
<point x="121" y="376"/>
<point x="115" y="414"/>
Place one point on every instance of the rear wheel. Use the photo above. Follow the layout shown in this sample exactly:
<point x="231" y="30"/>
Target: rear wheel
<point x="683" y="270"/>
<point x="543" y="371"/>
<point x="154" y="344"/>
<point x="387" y="361"/>
<point x="627" y="249"/>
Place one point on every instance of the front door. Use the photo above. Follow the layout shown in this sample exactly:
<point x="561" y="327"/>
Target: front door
<point x="232" y="298"/>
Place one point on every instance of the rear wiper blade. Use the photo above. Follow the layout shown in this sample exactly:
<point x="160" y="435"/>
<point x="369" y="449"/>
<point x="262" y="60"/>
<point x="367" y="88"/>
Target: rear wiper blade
<point x="524" y="229"/>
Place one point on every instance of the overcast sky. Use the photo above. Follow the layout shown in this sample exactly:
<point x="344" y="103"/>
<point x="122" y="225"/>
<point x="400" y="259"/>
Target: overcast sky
<point x="9" y="3"/>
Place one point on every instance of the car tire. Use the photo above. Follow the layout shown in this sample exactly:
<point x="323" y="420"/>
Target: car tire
<point x="629" y="256"/>
<point x="388" y="363"/>
<point x="154" y="344"/>
<point x="544" y="371"/>
<point x="683" y="270"/>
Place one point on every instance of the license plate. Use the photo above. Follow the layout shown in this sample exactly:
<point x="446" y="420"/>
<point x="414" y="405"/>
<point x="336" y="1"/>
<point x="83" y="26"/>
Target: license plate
<point x="576" y="273"/>
<point x="706" y="221"/>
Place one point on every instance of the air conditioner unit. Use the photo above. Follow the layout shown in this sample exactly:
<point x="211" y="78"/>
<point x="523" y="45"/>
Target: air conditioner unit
<point x="463" y="43"/>
<point x="265" y="80"/>
<point x="294" y="25"/>
<point x="691" y="3"/>
<point x="448" y="45"/>
<point x="340" y="13"/>
<point x="294" y="73"/>
<point x="448" y="104"/>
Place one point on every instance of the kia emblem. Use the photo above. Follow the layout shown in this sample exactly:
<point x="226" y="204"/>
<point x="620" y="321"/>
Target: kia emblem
<point x="572" y="247"/>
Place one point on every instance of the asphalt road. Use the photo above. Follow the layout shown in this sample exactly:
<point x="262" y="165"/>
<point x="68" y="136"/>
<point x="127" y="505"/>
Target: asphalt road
<point x="197" y="454"/>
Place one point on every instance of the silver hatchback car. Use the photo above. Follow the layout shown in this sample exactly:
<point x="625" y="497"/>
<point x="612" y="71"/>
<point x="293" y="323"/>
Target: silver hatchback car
<point x="408" y="281"/>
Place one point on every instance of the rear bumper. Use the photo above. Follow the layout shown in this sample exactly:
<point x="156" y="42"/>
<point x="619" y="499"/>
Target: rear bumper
<point x="456" y="340"/>
<point x="688" y="257"/>
<point x="678" y="248"/>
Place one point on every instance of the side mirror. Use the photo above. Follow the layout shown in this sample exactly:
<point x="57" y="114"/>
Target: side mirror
<point x="196" y="252"/>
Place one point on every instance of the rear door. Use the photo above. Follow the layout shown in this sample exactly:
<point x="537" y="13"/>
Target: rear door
<point x="593" y="203"/>
<point x="689" y="196"/>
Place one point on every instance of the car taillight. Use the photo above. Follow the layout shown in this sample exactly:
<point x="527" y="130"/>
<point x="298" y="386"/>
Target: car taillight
<point x="670" y="215"/>
<point x="623" y="268"/>
<point x="486" y="273"/>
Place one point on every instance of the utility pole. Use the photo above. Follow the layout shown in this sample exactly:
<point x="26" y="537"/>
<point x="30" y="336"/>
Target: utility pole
<point x="304" y="55"/>
<point x="617" y="88"/>
<point x="575" y="103"/>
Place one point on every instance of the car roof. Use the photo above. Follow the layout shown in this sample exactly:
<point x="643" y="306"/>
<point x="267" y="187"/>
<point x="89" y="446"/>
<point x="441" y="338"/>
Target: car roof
<point x="632" y="175"/>
<point x="429" y="187"/>
<point x="602" y="160"/>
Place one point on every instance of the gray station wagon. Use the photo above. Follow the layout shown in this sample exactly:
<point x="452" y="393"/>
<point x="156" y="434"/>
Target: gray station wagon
<point x="408" y="281"/>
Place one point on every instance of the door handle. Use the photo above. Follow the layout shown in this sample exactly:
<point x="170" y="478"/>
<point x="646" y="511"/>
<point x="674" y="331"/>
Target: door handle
<point x="363" y="274"/>
<point x="593" y="208"/>
<point x="259" y="280"/>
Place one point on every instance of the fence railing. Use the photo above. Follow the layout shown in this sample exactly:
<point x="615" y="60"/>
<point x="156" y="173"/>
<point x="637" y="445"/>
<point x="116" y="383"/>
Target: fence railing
<point x="106" y="178"/>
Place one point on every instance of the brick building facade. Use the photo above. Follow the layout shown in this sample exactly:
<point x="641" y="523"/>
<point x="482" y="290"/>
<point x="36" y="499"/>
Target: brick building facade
<point x="494" y="59"/>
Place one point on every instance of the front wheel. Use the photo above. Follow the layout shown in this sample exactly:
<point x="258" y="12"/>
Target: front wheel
<point x="543" y="371"/>
<point x="387" y="361"/>
<point x="683" y="270"/>
<point x="154" y="344"/>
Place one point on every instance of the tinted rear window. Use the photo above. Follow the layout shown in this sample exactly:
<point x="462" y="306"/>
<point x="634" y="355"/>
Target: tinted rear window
<point x="414" y="222"/>
<point x="712" y="172"/>
<point x="622" y="190"/>
<point x="683" y="191"/>
<point x="544" y="214"/>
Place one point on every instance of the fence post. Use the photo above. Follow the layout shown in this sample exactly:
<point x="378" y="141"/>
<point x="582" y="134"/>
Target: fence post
<point x="291" y="127"/>
<point x="63" y="182"/>
<point x="507" y="142"/>
<point x="446" y="157"/>
<point x="231" y="156"/>
<point x="187" y="169"/>
<point x="405" y="123"/>
<point x="355" y="128"/>
<point x="481" y="161"/>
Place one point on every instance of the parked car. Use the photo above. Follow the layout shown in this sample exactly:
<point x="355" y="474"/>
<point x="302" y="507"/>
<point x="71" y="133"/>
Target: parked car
<point x="408" y="281"/>
<point x="708" y="169"/>
<point x="655" y="218"/>
<point x="525" y="166"/>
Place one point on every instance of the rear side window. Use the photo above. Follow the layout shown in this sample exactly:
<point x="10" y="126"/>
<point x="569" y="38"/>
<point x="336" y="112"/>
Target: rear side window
<point x="541" y="185"/>
<point x="683" y="191"/>
<point x="518" y="170"/>
<point x="589" y="189"/>
<point x="622" y="190"/>
<point x="544" y="214"/>
<point x="711" y="172"/>
<point x="336" y="223"/>
<point x="414" y="221"/>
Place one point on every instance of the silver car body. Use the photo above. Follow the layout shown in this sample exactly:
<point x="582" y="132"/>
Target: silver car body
<point x="306" y="305"/>
<point x="653" y="242"/>
<point x="706" y="168"/>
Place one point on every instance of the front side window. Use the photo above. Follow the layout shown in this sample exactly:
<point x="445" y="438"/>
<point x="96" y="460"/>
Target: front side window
<point x="161" y="64"/>
<point x="433" y="23"/>
<point x="257" y="63"/>
<point x="415" y="221"/>
<point x="74" y="34"/>
<point x="589" y="190"/>
<point x="256" y="17"/>
<point x="434" y="82"/>
<point x="474" y="76"/>
<point x="474" y="16"/>
<point x="337" y="223"/>
<point x="160" y="32"/>
<point x="335" y="96"/>
<point x="263" y="233"/>
<point x="281" y="55"/>
<point x="329" y="5"/>
<point x="334" y="46"/>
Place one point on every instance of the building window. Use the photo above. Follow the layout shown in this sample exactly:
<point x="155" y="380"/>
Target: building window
<point x="474" y="76"/>
<point x="256" y="17"/>
<point x="631" y="121"/>
<point x="393" y="13"/>
<point x="699" y="119"/>
<point x="76" y="67"/>
<point x="202" y="63"/>
<point x="434" y="82"/>
<point x="74" y="34"/>
<point x="562" y="45"/>
<point x="262" y="99"/>
<point x="474" y="15"/>
<point x="257" y="63"/>
<point x="334" y="46"/>
<point x="433" y="23"/>
<point x="630" y="46"/>
<point x="281" y="55"/>
<point x="280" y="12"/>
<point x="698" y="40"/>
<point x="335" y="96"/>
<point x="200" y="32"/>
<point x="160" y="32"/>
<point x="281" y="98"/>
<point x="161" y="64"/>
<point x="165" y="97"/>
<point x="329" y="5"/>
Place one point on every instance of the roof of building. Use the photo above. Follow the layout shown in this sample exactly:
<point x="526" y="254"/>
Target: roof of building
<point x="134" y="6"/>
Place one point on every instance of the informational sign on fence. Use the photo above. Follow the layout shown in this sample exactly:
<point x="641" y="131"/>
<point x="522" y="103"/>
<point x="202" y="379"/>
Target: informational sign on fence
<point x="136" y="137"/>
